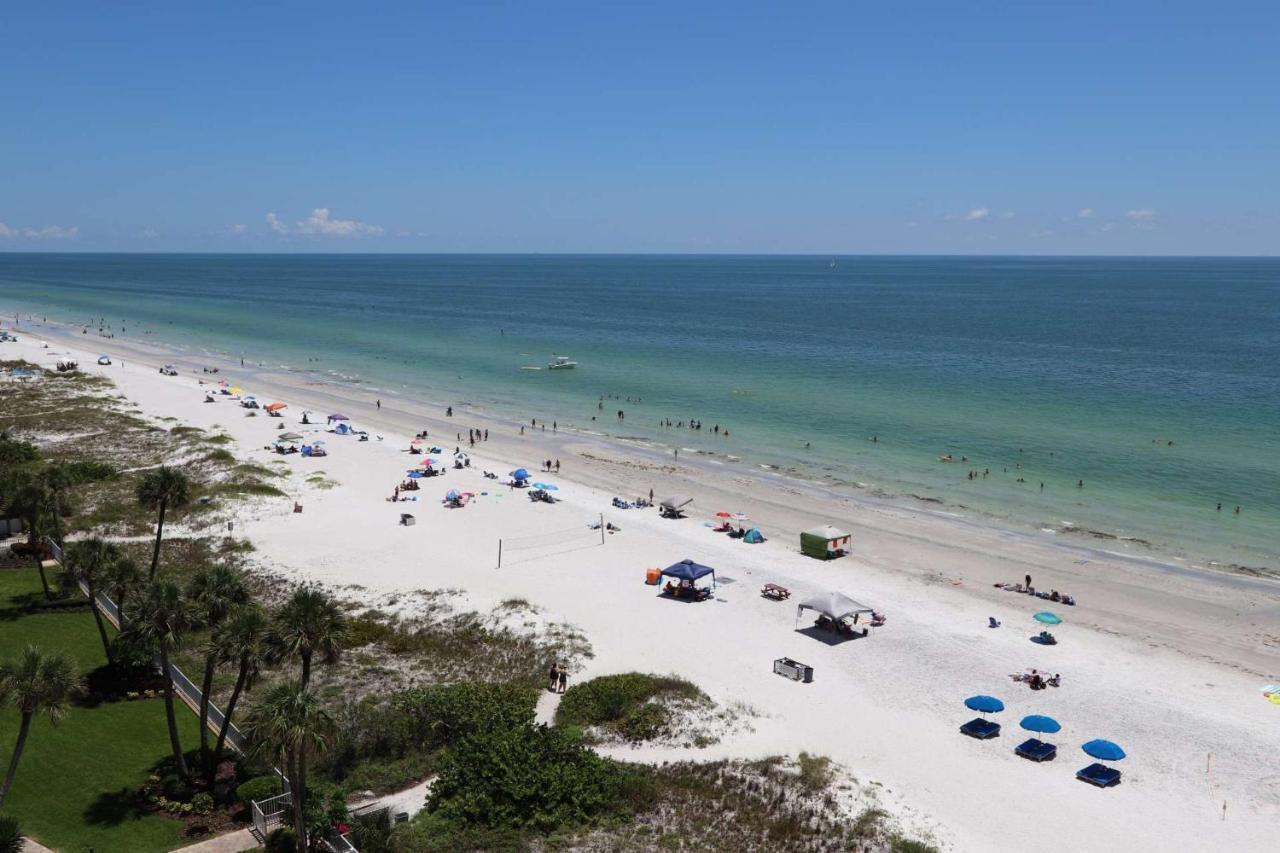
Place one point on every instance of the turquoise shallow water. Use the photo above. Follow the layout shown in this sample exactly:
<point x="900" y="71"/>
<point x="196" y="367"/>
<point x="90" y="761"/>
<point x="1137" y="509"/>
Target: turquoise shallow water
<point x="1074" y="369"/>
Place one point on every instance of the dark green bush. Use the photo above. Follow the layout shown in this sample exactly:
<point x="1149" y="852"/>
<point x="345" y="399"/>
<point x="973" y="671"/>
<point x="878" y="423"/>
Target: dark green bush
<point x="281" y="840"/>
<point x="176" y="788"/>
<point x="10" y="833"/>
<point x="202" y="803"/>
<point x="531" y="778"/>
<point x="622" y="703"/>
<point x="259" y="788"/>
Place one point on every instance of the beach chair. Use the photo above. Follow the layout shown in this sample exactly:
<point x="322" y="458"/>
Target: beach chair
<point x="1100" y="775"/>
<point x="980" y="728"/>
<point x="1036" y="750"/>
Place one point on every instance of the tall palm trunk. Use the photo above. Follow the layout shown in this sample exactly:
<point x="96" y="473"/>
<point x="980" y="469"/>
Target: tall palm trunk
<point x="206" y="687"/>
<point x="178" y="757"/>
<point x="23" y="729"/>
<point x="295" y="787"/>
<point x="306" y="668"/>
<point x="155" y="552"/>
<point x="120" y="597"/>
<point x="241" y="678"/>
<point x="102" y="628"/>
<point x="44" y="581"/>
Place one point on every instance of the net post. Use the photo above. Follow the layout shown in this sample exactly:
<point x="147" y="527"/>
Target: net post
<point x="602" y="528"/>
<point x="499" y="552"/>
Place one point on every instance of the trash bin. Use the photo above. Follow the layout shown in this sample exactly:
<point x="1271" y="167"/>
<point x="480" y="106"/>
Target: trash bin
<point x="407" y="520"/>
<point x="793" y="669"/>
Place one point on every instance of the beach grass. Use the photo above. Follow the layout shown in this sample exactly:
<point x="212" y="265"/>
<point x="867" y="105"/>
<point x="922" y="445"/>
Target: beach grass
<point x="631" y="705"/>
<point x="77" y="785"/>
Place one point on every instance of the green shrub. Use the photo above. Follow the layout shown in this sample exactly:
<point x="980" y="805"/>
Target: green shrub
<point x="532" y="778"/>
<point x="428" y="833"/>
<point x="10" y="832"/>
<point x="622" y="703"/>
<point x="220" y="455"/>
<point x="259" y="788"/>
<point x="815" y="772"/>
<point x="898" y="844"/>
<point x="202" y="803"/>
<point x="281" y="840"/>
<point x="644" y="723"/>
<point x="92" y="471"/>
<point x="176" y="788"/>
<point x="362" y="632"/>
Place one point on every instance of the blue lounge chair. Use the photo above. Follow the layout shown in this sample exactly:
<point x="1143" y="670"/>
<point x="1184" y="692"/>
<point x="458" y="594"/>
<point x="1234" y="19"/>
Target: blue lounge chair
<point x="980" y="728"/>
<point x="1100" y="775"/>
<point x="1036" y="750"/>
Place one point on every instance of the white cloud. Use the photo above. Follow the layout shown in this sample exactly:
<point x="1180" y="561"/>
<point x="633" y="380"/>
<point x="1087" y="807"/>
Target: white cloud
<point x="977" y="213"/>
<point x="1141" y="214"/>
<point x="239" y="228"/>
<point x="49" y="232"/>
<point x="1008" y="214"/>
<point x="321" y="223"/>
<point x="148" y="233"/>
<point x="1085" y="213"/>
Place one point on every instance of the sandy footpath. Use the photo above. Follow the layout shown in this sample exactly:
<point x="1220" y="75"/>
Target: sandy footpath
<point x="1163" y="658"/>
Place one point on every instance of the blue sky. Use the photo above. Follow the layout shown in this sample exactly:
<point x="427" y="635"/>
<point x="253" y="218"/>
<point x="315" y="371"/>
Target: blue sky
<point x="929" y="127"/>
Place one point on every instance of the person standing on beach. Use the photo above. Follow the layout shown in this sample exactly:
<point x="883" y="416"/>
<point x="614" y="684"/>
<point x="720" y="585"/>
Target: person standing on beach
<point x="1028" y="580"/>
<point x="379" y="404"/>
<point x="564" y="680"/>
<point x="553" y="677"/>
<point x="650" y="495"/>
<point x="557" y="466"/>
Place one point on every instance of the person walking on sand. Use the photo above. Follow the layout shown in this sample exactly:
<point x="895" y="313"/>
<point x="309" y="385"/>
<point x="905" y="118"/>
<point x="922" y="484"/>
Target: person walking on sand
<point x="379" y="404"/>
<point x="553" y="677"/>
<point x="650" y="495"/>
<point x="1028" y="580"/>
<point x="557" y="466"/>
<point x="563" y="681"/>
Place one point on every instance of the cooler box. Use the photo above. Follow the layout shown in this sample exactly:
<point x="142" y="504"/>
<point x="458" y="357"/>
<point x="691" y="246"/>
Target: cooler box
<point x="652" y="576"/>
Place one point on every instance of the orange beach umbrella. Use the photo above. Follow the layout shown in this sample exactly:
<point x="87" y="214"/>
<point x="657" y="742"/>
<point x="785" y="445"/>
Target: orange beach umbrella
<point x="275" y="407"/>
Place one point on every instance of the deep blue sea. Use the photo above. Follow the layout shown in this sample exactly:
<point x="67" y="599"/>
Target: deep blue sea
<point x="1154" y="381"/>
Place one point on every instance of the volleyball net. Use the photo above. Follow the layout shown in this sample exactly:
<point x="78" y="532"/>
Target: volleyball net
<point x="515" y="549"/>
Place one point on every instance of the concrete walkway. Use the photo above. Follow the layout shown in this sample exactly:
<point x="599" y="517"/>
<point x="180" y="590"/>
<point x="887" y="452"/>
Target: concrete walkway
<point x="231" y="842"/>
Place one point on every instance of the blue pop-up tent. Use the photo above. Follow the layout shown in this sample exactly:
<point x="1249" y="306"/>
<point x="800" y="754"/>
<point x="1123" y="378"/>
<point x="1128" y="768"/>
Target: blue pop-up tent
<point x="688" y="570"/>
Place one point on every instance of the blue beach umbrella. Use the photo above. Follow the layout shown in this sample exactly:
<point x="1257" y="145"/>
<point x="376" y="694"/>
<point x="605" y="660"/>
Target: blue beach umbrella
<point x="520" y="474"/>
<point x="452" y="495"/>
<point x="1046" y="618"/>
<point x="1040" y="724"/>
<point x="984" y="704"/>
<point x="1103" y="750"/>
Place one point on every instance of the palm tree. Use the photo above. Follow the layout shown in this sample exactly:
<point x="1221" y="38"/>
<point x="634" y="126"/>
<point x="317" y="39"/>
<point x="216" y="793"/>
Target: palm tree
<point x="310" y="622"/>
<point x="161" y="488"/>
<point x="213" y="592"/>
<point x="240" y="639"/>
<point x="122" y="578"/>
<point x="30" y="500"/>
<point x="33" y="683"/>
<point x="158" y="622"/>
<point x="290" y="724"/>
<point x="57" y="479"/>
<point x="88" y="562"/>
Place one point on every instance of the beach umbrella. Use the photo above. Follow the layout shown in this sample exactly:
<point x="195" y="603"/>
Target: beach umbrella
<point x="1041" y="724"/>
<point x="520" y="474"/>
<point x="723" y="514"/>
<point x="1044" y="617"/>
<point x="290" y="436"/>
<point x="236" y="389"/>
<point x="739" y="516"/>
<point x="415" y="475"/>
<point x="427" y="463"/>
<point x="1103" y="750"/>
<point x="275" y="407"/>
<point x="984" y="704"/>
<point x="452" y="495"/>
<point x="339" y="417"/>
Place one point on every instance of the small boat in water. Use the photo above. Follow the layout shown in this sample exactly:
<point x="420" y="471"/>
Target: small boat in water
<point x="561" y="362"/>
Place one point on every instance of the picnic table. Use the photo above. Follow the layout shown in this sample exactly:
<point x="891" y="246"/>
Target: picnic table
<point x="775" y="591"/>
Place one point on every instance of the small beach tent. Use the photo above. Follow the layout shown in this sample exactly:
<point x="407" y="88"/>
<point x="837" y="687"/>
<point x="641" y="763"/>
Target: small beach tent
<point x="834" y="605"/>
<point x="688" y="570"/>
<point x="290" y="436"/>
<point x="824" y="542"/>
<point x="753" y="536"/>
<point x="338" y="417"/>
<point x="675" y="504"/>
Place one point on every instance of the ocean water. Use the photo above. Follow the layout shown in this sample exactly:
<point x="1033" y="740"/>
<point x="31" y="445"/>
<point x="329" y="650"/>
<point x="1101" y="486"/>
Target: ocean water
<point x="1156" y="382"/>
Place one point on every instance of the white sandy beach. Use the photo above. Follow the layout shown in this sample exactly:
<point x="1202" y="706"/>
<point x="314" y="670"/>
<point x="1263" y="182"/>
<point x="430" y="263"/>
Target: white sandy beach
<point x="1164" y="659"/>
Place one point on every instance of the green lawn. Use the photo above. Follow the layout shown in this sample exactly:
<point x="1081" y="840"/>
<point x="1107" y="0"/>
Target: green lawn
<point x="74" y="785"/>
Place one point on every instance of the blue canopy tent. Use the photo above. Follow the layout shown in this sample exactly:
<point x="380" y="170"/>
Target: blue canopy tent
<point x="1034" y="748"/>
<point x="687" y="572"/>
<point x="1097" y="773"/>
<point x="982" y="728"/>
